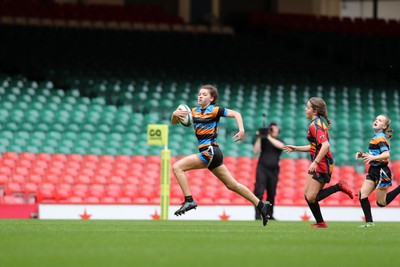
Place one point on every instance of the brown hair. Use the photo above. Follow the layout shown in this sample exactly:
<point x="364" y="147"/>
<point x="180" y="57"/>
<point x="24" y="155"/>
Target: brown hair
<point x="213" y="92"/>
<point x="319" y="105"/>
<point x="388" y="131"/>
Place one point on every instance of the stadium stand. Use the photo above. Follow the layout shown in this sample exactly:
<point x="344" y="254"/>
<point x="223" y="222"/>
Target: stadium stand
<point x="73" y="113"/>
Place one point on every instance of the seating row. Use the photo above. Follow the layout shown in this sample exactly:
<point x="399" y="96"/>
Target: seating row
<point x="275" y="22"/>
<point x="60" y="178"/>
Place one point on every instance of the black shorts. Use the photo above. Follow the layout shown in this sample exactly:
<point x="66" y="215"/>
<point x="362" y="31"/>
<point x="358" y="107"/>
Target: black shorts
<point x="322" y="177"/>
<point x="380" y="175"/>
<point x="211" y="156"/>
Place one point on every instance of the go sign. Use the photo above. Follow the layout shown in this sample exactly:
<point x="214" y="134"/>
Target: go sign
<point x="157" y="134"/>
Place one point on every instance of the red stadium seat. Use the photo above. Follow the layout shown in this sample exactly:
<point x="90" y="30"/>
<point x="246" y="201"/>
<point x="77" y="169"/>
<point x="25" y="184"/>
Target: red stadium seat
<point x="144" y="200"/>
<point x="89" y="165"/>
<point x="60" y="157"/>
<point x="62" y="193"/>
<point x="30" y="190"/>
<point x="11" y="155"/>
<point x="13" y="200"/>
<point x="51" y="178"/>
<point x="139" y="159"/>
<point x="67" y="179"/>
<point x="75" y="157"/>
<point x="107" y="158"/>
<point x="79" y="190"/>
<point x="99" y="179"/>
<point x="120" y="172"/>
<point x="108" y="200"/>
<point x="44" y="157"/>
<point x="21" y="171"/>
<point x="116" y="180"/>
<point x="83" y="179"/>
<point x="26" y="163"/>
<point x="92" y="199"/>
<point x="91" y="158"/>
<point x="124" y="200"/>
<point x="123" y="158"/>
<point x="17" y="178"/>
<point x="3" y="179"/>
<point x="96" y="190"/>
<point x="74" y="199"/>
<point x="27" y="156"/>
<point x="39" y="170"/>
<point x="46" y="192"/>
<point x="10" y="163"/>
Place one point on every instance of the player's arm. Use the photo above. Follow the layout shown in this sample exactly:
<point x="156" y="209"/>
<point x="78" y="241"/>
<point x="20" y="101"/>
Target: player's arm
<point x="257" y="146"/>
<point x="292" y="148"/>
<point x="238" y="117"/>
<point x="360" y="154"/>
<point x="367" y="158"/>
<point x="275" y="142"/>
<point x="322" y="152"/>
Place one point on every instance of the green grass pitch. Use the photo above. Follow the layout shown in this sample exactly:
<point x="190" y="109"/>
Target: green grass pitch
<point x="195" y="243"/>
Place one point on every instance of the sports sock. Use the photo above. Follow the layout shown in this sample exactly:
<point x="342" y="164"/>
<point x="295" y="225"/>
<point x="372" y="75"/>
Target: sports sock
<point x="316" y="211"/>
<point x="326" y="192"/>
<point x="366" y="207"/>
<point x="392" y="194"/>
<point x="189" y="199"/>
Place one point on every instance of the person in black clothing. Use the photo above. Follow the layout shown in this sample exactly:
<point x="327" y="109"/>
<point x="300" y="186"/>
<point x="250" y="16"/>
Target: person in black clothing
<point x="270" y="149"/>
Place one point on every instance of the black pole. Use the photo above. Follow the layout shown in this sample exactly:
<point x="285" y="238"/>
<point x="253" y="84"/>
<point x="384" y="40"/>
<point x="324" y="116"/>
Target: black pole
<point x="375" y="9"/>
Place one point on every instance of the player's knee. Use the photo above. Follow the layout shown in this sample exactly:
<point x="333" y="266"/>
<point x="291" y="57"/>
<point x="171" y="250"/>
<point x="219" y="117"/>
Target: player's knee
<point x="175" y="168"/>
<point x="310" y="199"/>
<point x="381" y="204"/>
<point x="233" y="186"/>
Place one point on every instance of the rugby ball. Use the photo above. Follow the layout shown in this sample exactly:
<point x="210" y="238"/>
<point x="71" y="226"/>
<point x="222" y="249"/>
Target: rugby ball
<point x="188" y="120"/>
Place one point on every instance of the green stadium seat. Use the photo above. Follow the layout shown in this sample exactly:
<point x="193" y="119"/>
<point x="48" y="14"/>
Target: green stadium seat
<point x="99" y="136"/>
<point x="59" y="127"/>
<point x="104" y="128"/>
<point x="110" y="151"/>
<point x="78" y="150"/>
<point x="32" y="148"/>
<point x="73" y="127"/>
<point x="15" y="148"/>
<point x="27" y="126"/>
<point x="82" y="143"/>
<point x="88" y="128"/>
<point x="119" y="128"/>
<point x="21" y="105"/>
<point x="95" y="151"/>
<point x="66" y="143"/>
<point x="4" y="142"/>
<point x="11" y="126"/>
<point x="35" y="143"/>
<point x="4" y="115"/>
<point x="51" y="142"/>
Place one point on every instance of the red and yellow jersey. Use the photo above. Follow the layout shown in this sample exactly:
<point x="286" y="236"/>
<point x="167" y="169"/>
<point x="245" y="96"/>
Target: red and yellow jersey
<point x="318" y="134"/>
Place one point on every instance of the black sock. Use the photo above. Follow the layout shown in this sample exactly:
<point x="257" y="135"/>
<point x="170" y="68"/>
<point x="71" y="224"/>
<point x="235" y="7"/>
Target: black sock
<point x="392" y="194"/>
<point x="366" y="207"/>
<point x="260" y="205"/>
<point x="326" y="192"/>
<point x="316" y="211"/>
<point x="189" y="199"/>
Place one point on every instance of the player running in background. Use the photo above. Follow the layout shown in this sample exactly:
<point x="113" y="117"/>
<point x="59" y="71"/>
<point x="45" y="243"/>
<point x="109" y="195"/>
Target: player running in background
<point x="379" y="175"/>
<point x="206" y="118"/>
<point x="321" y="167"/>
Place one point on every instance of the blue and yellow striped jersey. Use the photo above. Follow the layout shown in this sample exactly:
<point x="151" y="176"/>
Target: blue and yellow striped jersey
<point x="206" y="124"/>
<point x="378" y="144"/>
